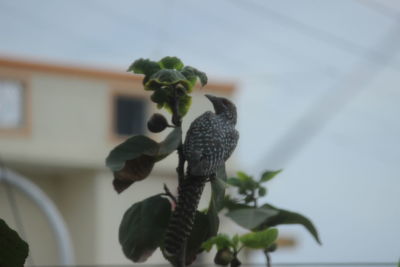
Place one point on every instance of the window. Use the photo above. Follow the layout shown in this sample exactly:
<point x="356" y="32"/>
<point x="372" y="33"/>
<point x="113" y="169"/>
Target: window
<point x="13" y="111"/>
<point x="129" y="115"/>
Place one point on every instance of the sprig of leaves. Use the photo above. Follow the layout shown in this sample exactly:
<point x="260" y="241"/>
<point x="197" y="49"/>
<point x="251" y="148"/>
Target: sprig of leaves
<point x="247" y="213"/>
<point x="229" y="247"/>
<point x="169" y="80"/>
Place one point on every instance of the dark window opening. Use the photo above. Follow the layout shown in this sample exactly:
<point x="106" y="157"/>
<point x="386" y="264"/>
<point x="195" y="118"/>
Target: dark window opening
<point x="130" y="115"/>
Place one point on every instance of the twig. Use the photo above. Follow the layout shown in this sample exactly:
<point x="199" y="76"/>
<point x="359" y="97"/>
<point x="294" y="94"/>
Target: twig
<point x="168" y="193"/>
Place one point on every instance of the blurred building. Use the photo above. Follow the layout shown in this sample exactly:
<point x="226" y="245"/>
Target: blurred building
<point x="57" y="125"/>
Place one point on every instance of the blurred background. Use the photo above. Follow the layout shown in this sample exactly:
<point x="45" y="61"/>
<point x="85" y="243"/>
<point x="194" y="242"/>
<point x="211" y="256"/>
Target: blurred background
<point x="317" y="89"/>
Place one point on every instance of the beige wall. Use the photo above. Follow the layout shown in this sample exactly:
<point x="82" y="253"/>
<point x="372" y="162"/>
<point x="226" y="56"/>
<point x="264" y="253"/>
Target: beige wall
<point x="64" y="153"/>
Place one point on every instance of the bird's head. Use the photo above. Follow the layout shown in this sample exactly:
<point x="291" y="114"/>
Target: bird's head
<point x="223" y="106"/>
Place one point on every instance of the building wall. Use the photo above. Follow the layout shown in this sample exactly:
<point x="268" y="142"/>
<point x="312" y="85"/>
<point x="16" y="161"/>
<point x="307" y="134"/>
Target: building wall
<point x="63" y="152"/>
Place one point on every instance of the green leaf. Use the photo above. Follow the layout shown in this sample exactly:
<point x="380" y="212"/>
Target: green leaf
<point x="235" y="241"/>
<point x="134" y="159"/>
<point x="144" y="66"/>
<point x="160" y="96"/>
<point x="201" y="231"/>
<point x="217" y="199"/>
<point x="192" y="74"/>
<point x="268" y="175"/>
<point x="143" y="226"/>
<point x="260" y="240"/>
<point x="252" y="217"/>
<point x="262" y="191"/>
<point x="170" y="143"/>
<point x="171" y="63"/>
<point x="132" y="148"/>
<point x="289" y="217"/>
<point x="185" y="102"/>
<point x="234" y="181"/>
<point x="233" y="204"/>
<point x="221" y="241"/>
<point x="13" y="250"/>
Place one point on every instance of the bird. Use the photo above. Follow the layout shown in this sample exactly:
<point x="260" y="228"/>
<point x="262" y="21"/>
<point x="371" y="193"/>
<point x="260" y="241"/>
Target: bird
<point x="210" y="141"/>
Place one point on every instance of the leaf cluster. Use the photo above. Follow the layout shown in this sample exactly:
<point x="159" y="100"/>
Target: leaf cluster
<point x="170" y="81"/>
<point x="229" y="247"/>
<point x="247" y="212"/>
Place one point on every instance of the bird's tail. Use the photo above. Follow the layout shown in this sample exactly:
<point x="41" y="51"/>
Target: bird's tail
<point x="182" y="219"/>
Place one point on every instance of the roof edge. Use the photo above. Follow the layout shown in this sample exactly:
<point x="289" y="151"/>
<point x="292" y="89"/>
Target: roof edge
<point x="90" y="72"/>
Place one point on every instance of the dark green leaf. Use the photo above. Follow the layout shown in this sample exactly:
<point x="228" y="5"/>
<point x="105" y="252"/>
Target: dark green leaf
<point x="200" y="233"/>
<point x="192" y="74"/>
<point x="233" y="204"/>
<point x="13" y="250"/>
<point x="224" y="257"/>
<point x="234" y="181"/>
<point x="221" y="241"/>
<point x="167" y="77"/>
<point x="252" y="217"/>
<point x="268" y="175"/>
<point x="184" y="104"/>
<point x="132" y="148"/>
<point x="160" y="96"/>
<point x="260" y="240"/>
<point x="171" y="63"/>
<point x="143" y="226"/>
<point x="144" y="66"/>
<point x="288" y="217"/>
<point x="262" y="191"/>
<point x="134" y="159"/>
<point x="217" y="199"/>
<point x="170" y="144"/>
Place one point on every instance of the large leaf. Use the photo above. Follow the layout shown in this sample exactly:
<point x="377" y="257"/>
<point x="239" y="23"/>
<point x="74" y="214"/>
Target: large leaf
<point x="289" y="217"/>
<point x="217" y="199"/>
<point x="143" y="226"/>
<point x="144" y="66"/>
<point x="134" y="159"/>
<point x="13" y="250"/>
<point x="250" y="218"/>
<point x="165" y="77"/>
<point x="171" y="63"/>
<point x="201" y="231"/>
<point x="260" y="240"/>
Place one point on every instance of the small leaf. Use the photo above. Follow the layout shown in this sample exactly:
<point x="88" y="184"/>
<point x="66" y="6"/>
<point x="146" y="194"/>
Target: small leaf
<point x="171" y="63"/>
<point x="191" y="75"/>
<point x="260" y="240"/>
<point x="221" y="241"/>
<point x="224" y="257"/>
<point x="233" y="204"/>
<point x="184" y="104"/>
<point x="144" y="66"/>
<point x="262" y="191"/>
<point x="160" y="96"/>
<point x="157" y="123"/>
<point x="234" y="181"/>
<point x="143" y="226"/>
<point x="252" y="217"/>
<point x="268" y="175"/>
<point x="235" y="241"/>
<point x="13" y="250"/>
<point x="289" y="217"/>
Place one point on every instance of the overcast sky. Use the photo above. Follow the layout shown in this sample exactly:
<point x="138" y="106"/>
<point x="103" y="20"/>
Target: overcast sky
<point x="318" y="94"/>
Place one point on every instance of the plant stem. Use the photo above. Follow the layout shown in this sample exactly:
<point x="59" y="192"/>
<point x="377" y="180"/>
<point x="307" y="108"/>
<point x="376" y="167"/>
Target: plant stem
<point x="268" y="258"/>
<point x="177" y="121"/>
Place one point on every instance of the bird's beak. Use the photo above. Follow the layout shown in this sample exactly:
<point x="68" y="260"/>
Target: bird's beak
<point x="211" y="98"/>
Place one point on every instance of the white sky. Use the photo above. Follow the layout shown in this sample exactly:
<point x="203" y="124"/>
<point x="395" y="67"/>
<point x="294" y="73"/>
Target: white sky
<point x="285" y="56"/>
